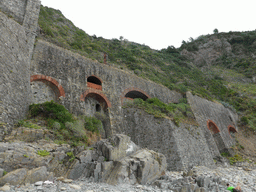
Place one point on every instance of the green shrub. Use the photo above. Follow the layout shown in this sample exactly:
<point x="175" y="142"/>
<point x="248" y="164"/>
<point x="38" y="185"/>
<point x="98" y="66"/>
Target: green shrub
<point x="23" y="123"/>
<point x="92" y="124"/>
<point x="5" y="173"/>
<point x="71" y="155"/>
<point x="52" y="112"/>
<point x="43" y="153"/>
<point x="161" y="110"/>
<point x="56" y="126"/>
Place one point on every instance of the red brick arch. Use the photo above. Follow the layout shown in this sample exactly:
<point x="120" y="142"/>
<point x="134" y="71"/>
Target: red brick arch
<point x="231" y="129"/>
<point x="212" y="127"/>
<point x="51" y="80"/>
<point x="132" y="89"/>
<point x="98" y="95"/>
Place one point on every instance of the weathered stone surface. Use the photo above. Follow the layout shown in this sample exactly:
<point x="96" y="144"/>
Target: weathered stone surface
<point x="82" y="166"/>
<point x="1" y="172"/>
<point x="5" y="188"/>
<point x="24" y="155"/>
<point x="17" y="43"/>
<point x="116" y="147"/>
<point x="67" y="180"/>
<point x="127" y="165"/>
<point x="38" y="174"/>
<point x="15" y="177"/>
<point x="180" y="144"/>
<point x="28" y="135"/>
<point x="15" y="8"/>
<point x="143" y="167"/>
<point x="206" y="111"/>
<point x="209" y="51"/>
<point x="77" y="187"/>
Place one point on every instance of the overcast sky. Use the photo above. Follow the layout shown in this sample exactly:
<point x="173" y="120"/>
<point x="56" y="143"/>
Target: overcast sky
<point x="157" y="23"/>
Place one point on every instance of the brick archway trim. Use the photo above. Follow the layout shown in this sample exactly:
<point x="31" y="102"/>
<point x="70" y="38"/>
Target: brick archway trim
<point x="217" y="128"/>
<point x="94" y="91"/>
<point x="51" y="80"/>
<point x="231" y="128"/>
<point x="94" y="76"/>
<point x="132" y="89"/>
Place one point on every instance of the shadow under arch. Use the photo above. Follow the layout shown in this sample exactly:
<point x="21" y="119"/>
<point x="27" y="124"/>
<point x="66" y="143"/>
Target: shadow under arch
<point x="98" y="104"/>
<point x="133" y="93"/>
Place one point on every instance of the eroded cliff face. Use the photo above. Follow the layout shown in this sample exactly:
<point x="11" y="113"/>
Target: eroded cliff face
<point x="208" y="51"/>
<point x="226" y="50"/>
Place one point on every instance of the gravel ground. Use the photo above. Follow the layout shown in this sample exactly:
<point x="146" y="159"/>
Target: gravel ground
<point x="232" y="175"/>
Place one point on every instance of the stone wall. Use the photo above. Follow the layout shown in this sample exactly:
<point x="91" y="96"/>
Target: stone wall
<point x="14" y="65"/>
<point x="222" y="117"/>
<point x="14" y="8"/>
<point x="183" y="146"/>
<point x="72" y="70"/>
<point x="16" y="46"/>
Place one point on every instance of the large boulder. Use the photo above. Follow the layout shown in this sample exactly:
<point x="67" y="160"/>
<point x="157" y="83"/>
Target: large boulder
<point x="15" y="177"/>
<point x="116" y="147"/>
<point x="38" y="174"/>
<point x="22" y="176"/>
<point x="145" y="166"/>
<point x="118" y="160"/>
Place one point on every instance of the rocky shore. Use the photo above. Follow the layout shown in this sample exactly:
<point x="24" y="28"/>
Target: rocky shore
<point x="114" y="164"/>
<point x="202" y="179"/>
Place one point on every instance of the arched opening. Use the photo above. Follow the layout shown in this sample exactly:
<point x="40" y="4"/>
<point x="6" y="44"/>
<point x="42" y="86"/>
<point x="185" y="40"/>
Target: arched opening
<point x="213" y="127"/>
<point x="133" y="93"/>
<point x="136" y="94"/>
<point x="97" y="104"/>
<point x="94" y="82"/>
<point x="45" y="88"/>
<point x="232" y="131"/>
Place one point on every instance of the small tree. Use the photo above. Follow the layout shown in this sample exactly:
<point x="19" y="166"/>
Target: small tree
<point x="215" y="31"/>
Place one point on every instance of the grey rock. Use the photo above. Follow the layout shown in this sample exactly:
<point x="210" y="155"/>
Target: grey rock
<point x="143" y="167"/>
<point x="38" y="174"/>
<point x="116" y="147"/>
<point x="15" y="177"/>
<point x="1" y="172"/>
<point x="5" y="188"/>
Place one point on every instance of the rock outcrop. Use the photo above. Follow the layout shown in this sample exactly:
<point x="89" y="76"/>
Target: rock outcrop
<point x="22" y="176"/>
<point x="118" y="160"/>
<point x="115" y="160"/>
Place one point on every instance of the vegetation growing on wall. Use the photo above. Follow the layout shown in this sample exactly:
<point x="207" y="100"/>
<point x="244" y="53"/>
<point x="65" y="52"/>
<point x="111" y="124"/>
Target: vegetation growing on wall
<point x="66" y="127"/>
<point x="154" y="106"/>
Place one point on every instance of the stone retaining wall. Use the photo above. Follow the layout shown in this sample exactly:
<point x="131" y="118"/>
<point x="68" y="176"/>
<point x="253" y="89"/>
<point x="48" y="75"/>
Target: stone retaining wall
<point x="183" y="146"/>
<point x="72" y="70"/>
<point x="206" y="111"/>
<point x="16" y="46"/>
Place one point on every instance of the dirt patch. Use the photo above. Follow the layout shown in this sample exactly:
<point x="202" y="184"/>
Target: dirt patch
<point x="246" y="144"/>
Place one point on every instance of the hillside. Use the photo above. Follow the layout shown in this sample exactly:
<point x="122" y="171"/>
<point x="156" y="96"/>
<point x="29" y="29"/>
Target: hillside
<point x="219" y="67"/>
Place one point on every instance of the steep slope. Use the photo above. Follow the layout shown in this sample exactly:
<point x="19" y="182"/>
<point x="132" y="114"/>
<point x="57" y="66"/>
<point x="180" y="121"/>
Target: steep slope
<point x="218" y="67"/>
